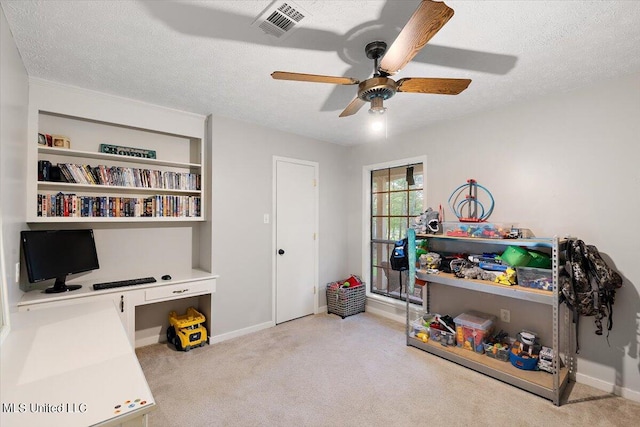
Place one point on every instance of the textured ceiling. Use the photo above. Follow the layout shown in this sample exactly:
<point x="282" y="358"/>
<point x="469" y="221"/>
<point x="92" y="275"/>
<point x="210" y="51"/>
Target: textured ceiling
<point x="205" y="57"/>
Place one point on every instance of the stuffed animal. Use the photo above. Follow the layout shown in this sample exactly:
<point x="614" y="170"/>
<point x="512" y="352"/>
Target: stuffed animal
<point x="427" y="222"/>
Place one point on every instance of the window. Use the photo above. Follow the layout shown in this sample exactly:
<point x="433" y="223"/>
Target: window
<point x="395" y="202"/>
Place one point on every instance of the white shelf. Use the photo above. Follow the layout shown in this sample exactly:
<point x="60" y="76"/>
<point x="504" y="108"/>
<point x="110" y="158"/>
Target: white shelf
<point x="65" y="186"/>
<point x="178" y="154"/>
<point x="115" y="220"/>
<point x="114" y="157"/>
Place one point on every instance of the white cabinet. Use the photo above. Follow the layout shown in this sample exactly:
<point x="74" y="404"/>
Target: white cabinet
<point x="126" y="299"/>
<point x="541" y="383"/>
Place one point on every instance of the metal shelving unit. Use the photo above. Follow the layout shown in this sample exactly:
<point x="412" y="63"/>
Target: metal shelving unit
<point x="549" y="386"/>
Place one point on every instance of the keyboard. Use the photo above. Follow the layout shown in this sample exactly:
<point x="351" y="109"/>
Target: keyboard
<point x="121" y="283"/>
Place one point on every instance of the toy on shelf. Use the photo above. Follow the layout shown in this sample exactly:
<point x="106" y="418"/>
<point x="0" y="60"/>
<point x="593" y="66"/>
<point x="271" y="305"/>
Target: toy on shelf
<point x="473" y="329"/>
<point x="498" y="346"/>
<point x="545" y="362"/>
<point x="430" y="261"/>
<point x="484" y="230"/>
<point x="476" y="211"/>
<point x="507" y="278"/>
<point x="428" y="222"/>
<point x="525" y="351"/>
<point x="442" y="329"/>
<point x="187" y="331"/>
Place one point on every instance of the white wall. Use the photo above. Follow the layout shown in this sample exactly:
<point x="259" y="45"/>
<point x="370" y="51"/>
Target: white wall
<point x="562" y="164"/>
<point x="13" y="142"/>
<point x="242" y="194"/>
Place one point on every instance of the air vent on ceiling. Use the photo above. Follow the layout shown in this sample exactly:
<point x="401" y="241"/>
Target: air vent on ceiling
<point x="280" y="19"/>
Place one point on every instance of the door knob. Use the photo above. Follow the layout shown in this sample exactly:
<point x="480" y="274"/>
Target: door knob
<point x="281" y="251"/>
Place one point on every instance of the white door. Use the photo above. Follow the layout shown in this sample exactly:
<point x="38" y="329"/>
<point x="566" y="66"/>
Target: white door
<point x="296" y="213"/>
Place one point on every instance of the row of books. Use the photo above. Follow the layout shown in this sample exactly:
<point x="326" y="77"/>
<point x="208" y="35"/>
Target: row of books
<point x="72" y="205"/>
<point x="117" y="176"/>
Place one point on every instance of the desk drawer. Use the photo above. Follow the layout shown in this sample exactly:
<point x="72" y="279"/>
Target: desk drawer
<point x="179" y="290"/>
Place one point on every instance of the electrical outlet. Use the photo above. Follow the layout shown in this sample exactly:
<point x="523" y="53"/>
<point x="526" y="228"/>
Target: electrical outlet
<point x="266" y="218"/>
<point x="505" y="315"/>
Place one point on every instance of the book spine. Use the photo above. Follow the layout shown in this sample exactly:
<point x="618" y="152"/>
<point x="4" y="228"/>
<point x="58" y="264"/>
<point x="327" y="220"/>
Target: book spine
<point x="66" y="175"/>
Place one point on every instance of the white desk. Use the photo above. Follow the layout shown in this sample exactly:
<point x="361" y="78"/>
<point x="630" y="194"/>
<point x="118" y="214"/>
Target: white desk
<point x="182" y="285"/>
<point x="71" y="366"/>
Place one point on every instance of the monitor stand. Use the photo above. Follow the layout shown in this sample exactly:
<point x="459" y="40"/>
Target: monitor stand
<point x="61" y="286"/>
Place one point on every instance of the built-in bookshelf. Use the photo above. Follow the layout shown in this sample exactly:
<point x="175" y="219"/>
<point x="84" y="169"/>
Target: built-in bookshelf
<point x="84" y="184"/>
<point x="149" y="207"/>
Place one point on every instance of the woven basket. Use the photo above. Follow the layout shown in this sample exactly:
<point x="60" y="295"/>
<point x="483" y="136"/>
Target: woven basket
<point x="345" y="301"/>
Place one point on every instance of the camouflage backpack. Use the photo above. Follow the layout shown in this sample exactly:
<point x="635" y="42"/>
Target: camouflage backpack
<point x="588" y="285"/>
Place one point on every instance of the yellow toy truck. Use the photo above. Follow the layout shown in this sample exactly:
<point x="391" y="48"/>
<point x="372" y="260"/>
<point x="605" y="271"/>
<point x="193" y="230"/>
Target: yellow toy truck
<point x="187" y="331"/>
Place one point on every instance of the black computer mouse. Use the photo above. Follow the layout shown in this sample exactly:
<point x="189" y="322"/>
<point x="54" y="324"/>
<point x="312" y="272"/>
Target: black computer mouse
<point x="166" y="277"/>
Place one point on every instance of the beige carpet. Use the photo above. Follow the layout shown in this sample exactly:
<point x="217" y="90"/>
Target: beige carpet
<point x="326" y="371"/>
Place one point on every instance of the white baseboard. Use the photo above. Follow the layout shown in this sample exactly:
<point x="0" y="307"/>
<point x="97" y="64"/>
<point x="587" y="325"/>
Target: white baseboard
<point x="608" y="387"/>
<point x="250" y="329"/>
<point x="241" y="332"/>
<point x="385" y="314"/>
<point x="393" y="310"/>
<point x="143" y="342"/>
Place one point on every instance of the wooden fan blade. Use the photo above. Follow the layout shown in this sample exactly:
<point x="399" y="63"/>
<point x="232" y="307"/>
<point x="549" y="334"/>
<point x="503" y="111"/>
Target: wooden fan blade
<point x="432" y="85"/>
<point x="315" y="78"/>
<point x="353" y="107"/>
<point x="425" y="22"/>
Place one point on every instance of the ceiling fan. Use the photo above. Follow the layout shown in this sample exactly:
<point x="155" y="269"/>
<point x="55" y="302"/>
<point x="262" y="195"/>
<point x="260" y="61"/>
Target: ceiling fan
<point x="426" y="21"/>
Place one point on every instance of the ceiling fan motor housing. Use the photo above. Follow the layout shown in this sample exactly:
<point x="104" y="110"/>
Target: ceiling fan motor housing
<point x="377" y="87"/>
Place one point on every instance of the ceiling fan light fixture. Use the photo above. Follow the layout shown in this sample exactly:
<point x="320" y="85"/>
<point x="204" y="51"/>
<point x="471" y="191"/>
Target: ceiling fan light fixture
<point x="378" y="123"/>
<point x="377" y="106"/>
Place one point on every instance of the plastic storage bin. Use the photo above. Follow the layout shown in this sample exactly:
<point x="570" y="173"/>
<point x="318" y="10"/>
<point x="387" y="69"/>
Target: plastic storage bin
<point x="537" y="278"/>
<point x="500" y="353"/>
<point x="472" y="328"/>
<point x="482" y="230"/>
<point x="441" y="336"/>
<point x="345" y="301"/>
<point x="525" y="363"/>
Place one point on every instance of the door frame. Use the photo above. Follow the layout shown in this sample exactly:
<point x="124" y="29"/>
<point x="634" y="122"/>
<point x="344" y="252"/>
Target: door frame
<point x="274" y="231"/>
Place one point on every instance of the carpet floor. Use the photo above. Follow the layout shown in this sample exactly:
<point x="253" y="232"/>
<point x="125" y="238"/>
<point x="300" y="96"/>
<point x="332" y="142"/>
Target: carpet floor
<point x="322" y="370"/>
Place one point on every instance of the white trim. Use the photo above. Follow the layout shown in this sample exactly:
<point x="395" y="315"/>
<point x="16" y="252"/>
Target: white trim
<point x="274" y="231"/>
<point x="241" y="332"/>
<point x="366" y="203"/>
<point x="155" y="339"/>
<point x="608" y="387"/>
<point x="390" y="308"/>
<point x="70" y="88"/>
<point x="5" y="325"/>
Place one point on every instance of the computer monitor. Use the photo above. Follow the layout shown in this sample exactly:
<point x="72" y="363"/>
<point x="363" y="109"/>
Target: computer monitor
<point x="55" y="254"/>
